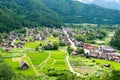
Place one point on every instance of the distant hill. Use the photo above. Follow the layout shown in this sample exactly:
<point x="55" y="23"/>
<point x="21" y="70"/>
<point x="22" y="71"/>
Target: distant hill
<point x="112" y="4"/>
<point x="32" y="13"/>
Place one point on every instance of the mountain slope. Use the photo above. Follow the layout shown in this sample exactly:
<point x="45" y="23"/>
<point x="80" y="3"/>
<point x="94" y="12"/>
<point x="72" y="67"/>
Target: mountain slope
<point x="16" y="13"/>
<point x="76" y="12"/>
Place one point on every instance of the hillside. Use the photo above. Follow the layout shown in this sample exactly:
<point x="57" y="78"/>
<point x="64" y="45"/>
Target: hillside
<point x="76" y="12"/>
<point x="18" y="13"/>
<point x="28" y="13"/>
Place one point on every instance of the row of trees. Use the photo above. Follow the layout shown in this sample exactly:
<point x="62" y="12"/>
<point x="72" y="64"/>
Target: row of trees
<point x="92" y="35"/>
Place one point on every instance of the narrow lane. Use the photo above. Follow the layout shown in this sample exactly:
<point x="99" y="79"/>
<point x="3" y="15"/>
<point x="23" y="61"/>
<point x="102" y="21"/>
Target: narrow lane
<point x="67" y="57"/>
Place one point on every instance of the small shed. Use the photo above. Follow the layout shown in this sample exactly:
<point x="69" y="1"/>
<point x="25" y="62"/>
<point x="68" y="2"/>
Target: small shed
<point x="24" y="65"/>
<point x="107" y="65"/>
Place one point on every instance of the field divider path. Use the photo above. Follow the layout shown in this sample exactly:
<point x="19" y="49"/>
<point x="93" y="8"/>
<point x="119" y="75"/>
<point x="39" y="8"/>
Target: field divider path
<point x="44" y="62"/>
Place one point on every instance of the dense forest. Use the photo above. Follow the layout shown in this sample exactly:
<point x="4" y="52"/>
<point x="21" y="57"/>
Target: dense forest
<point x="15" y="14"/>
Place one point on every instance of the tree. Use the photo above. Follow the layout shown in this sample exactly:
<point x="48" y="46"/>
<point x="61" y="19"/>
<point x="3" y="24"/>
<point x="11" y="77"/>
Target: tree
<point x="62" y="43"/>
<point x="6" y="72"/>
<point x="66" y="75"/>
<point x="80" y="50"/>
<point x="55" y="34"/>
<point x="80" y="38"/>
<point x="55" y="46"/>
<point x="114" y="75"/>
<point x="115" y="41"/>
<point x="69" y="50"/>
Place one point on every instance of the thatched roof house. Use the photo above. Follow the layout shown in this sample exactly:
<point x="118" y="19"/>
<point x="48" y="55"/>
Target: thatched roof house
<point x="24" y="65"/>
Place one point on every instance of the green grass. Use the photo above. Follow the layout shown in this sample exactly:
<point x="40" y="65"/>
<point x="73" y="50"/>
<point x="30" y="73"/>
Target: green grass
<point x="29" y="37"/>
<point x="32" y="44"/>
<point x="113" y="64"/>
<point x="15" y="52"/>
<point x="52" y="39"/>
<point x="38" y="57"/>
<point x="15" y="66"/>
<point x="56" y="60"/>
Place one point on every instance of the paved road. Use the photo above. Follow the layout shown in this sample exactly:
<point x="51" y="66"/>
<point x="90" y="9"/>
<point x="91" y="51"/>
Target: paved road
<point x="67" y="57"/>
<point x="72" y="44"/>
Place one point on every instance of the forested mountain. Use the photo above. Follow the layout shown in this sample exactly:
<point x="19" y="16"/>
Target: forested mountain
<point x="76" y="12"/>
<point x="18" y="13"/>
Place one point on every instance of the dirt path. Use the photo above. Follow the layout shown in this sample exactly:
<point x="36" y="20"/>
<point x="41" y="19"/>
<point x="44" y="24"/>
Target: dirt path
<point x="37" y="73"/>
<point x="70" y="67"/>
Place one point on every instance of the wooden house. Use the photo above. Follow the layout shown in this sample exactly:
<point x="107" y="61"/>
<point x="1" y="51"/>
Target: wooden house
<point x="103" y="56"/>
<point x="93" y="54"/>
<point x="88" y="48"/>
<point x="106" y="49"/>
<point x="79" y="43"/>
<point x="114" y="57"/>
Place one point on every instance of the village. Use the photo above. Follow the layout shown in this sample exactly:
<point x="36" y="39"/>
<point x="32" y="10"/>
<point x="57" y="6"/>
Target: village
<point x="48" y="41"/>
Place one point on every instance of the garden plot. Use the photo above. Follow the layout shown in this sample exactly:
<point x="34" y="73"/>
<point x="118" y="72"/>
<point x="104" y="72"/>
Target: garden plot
<point x="89" y="66"/>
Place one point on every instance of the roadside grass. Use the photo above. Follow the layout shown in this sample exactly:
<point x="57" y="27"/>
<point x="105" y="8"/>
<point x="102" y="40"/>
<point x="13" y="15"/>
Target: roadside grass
<point x="38" y="57"/>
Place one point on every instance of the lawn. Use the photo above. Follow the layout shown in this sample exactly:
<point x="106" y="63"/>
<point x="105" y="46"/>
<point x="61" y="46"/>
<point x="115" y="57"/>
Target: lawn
<point x="38" y="57"/>
<point x="56" y="60"/>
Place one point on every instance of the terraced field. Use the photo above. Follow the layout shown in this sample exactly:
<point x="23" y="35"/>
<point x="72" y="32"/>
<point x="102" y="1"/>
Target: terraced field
<point x="55" y="60"/>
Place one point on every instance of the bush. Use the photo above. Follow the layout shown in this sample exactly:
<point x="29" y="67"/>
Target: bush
<point x="61" y="43"/>
<point x="6" y="72"/>
<point x="67" y="75"/>
<point x="93" y="60"/>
